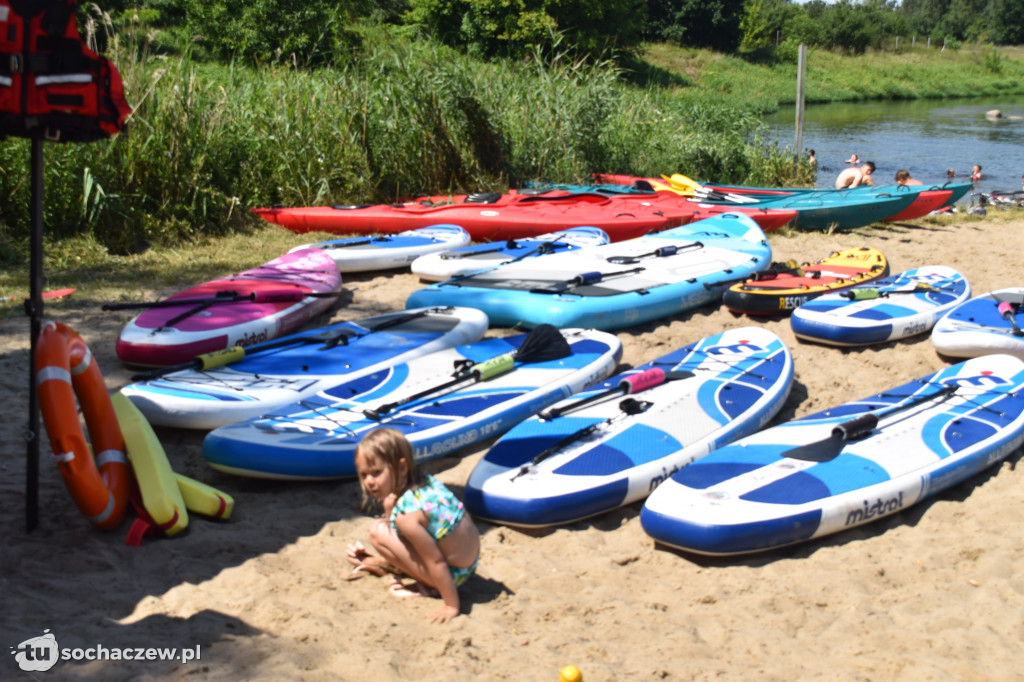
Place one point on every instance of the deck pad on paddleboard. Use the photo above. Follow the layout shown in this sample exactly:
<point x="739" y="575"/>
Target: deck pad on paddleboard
<point x="567" y="464"/>
<point x="888" y="309"/>
<point x="616" y="285"/>
<point x="845" y="466"/>
<point x="390" y="251"/>
<point x="990" y="323"/>
<point x="295" y="367"/>
<point x="316" y="438"/>
<point x="297" y="286"/>
<point x="475" y="257"/>
<point x="783" y="288"/>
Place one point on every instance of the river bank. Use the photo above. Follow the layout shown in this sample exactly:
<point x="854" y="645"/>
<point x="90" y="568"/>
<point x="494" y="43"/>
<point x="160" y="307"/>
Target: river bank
<point x="933" y="592"/>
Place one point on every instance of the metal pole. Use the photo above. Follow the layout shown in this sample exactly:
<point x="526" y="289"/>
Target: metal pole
<point x="34" y="308"/>
<point x="798" y="144"/>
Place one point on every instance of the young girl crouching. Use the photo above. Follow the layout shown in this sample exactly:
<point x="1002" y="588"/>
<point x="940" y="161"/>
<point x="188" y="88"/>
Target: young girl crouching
<point x="425" y="532"/>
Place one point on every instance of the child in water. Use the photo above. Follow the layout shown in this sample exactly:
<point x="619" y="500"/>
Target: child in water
<point x="425" y="532"/>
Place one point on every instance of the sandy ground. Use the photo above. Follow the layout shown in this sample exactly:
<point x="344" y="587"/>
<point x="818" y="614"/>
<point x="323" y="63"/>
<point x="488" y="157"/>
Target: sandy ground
<point x="933" y="593"/>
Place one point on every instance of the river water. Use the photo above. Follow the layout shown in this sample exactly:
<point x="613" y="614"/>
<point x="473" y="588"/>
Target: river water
<point x="926" y="137"/>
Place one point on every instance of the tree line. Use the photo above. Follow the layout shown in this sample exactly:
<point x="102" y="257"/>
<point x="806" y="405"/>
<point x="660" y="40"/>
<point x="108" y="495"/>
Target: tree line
<point x="317" y="32"/>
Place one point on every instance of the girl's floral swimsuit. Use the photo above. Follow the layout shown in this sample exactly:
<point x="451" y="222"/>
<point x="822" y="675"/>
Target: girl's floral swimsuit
<point x="443" y="510"/>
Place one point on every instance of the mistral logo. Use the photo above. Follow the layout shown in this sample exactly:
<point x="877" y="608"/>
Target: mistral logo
<point x="39" y="654"/>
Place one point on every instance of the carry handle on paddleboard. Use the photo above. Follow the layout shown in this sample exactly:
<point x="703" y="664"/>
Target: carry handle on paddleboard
<point x="829" y="448"/>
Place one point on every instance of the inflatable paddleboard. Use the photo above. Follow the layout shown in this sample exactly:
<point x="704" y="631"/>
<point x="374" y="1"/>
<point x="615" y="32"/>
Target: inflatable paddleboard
<point x="241" y="310"/>
<point x="990" y="323"/>
<point x="387" y="252"/>
<point x="784" y="287"/>
<point x="613" y="444"/>
<point x="468" y="259"/>
<point x="888" y="309"/>
<point x="295" y="367"/>
<point x="846" y="466"/>
<point x="443" y="402"/>
<point x="616" y="285"/>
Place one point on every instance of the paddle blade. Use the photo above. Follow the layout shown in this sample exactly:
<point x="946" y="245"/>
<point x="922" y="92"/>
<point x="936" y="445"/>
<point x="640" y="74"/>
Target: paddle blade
<point x="542" y="344"/>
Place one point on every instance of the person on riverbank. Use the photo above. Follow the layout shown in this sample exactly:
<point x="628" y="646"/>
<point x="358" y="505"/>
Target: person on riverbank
<point x="854" y="159"/>
<point x="855" y="177"/>
<point x="903" y="178"/>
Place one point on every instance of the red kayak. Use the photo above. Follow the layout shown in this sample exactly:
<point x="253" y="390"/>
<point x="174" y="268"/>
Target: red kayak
<point x="506" y="217"/>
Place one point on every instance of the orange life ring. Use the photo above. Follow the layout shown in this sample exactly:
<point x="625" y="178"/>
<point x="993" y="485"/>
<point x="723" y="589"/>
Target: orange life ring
<point x="65" y="370"/>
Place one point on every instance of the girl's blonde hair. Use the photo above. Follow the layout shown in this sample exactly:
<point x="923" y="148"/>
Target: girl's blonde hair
<point x="390" y="447"/>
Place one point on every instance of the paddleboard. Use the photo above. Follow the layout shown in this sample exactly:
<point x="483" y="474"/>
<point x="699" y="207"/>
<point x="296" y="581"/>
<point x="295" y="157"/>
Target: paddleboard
<point x="443" y="402"/>
<point x="783" y="288"/>
<point x="387" y="252"/>
<point x="475" y="257"/>
<point x="990" y="323"/>
<point x="613" y="444"/>
<point x="298" y="366"/>
<point x="846" y="466"/>
<point x="888" y="309"/>
<point x="616" y="285"/>
<point x="282" y="295"/>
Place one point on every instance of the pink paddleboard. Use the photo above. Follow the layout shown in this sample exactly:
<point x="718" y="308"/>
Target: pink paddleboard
<point x="282" y="293"/>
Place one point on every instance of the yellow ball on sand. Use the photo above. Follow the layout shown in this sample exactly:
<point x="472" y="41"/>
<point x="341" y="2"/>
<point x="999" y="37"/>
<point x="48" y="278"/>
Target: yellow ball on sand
<point x="570" y="673"/>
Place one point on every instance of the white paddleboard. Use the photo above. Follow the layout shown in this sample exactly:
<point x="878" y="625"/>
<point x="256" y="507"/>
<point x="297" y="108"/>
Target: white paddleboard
<point x="390" y="251"/>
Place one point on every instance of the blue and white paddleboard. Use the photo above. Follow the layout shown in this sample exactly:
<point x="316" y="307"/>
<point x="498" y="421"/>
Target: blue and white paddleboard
<point x="615" y="285"/>
<point x="888" y="309"/>
<point x="990" y="323"/>
<point x="296" y="367"/>
<point x="443" y="402"/>
<point x="464" y="260"/>
<point x="613" y="444"/>
<point x="845" y="466"/>
<point x="390" y="251"/>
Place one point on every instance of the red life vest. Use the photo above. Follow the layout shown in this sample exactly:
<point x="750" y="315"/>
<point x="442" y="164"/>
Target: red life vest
<point x="53" y="87"/>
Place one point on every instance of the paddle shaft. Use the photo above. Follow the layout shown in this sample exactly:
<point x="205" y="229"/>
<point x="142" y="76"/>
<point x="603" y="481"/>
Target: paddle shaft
<point x="279" y="296"/>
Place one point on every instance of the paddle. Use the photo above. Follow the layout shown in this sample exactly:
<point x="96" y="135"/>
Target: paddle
<point x="544" y="343"/>
<point x="790" y="267"/>
<point x="450" y="255"/>
<point x="684" y="184"/>
<point x="329" y="337"/>
<point x="582" y="279"/>
<point x="279" y="296"/>
<point x="354" y="242"/>
<point x="629" y="406"/>
<point x="1007" y="311"/>
<point x="633" y="383"/>
<point x="870" y="293"/>
<point x="660" y="252"/>
<point x="829" y="448"/>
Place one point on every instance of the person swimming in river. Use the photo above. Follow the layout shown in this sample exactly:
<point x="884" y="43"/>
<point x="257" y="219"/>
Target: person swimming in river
<point x="854" y="159"/>
<point x="903" y="178"/>
<point x="855" y="177"/>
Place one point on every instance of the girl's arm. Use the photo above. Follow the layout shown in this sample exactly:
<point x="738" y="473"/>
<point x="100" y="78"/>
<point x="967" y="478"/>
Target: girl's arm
<point x="413" y="529"/>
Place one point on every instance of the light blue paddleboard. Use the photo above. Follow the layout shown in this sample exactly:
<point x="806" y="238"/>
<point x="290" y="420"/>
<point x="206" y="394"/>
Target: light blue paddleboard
<point x="888" y="309"/>
<point x="846" y="466"/>
<point x="615" y="285"/>
<point x="299" y="366"/>
<point x="390" y="251"/>
<point x="443" y="402"/>
<point x="613" y="444"/>
<point x="990" y="323"/>
<point x="475" y="257"/>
